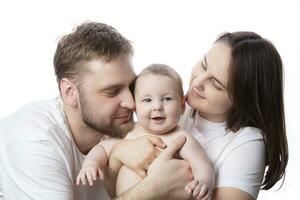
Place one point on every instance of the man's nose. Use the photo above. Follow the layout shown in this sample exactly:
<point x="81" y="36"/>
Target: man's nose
<point x="127" y="100"/>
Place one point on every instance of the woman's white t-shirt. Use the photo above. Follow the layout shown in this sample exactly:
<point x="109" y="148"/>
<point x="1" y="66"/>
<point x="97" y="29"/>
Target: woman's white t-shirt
<point x="238" y="158"/>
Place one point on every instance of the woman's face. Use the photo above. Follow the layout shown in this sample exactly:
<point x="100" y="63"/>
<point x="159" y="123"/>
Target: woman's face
<point x="208" y="85"/>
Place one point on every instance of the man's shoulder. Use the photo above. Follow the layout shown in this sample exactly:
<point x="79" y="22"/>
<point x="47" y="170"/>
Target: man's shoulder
<point x="35" y="120"/>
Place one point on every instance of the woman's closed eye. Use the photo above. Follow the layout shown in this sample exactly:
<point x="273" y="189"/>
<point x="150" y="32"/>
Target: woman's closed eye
<point x="216" y="84"/>
<point x="203" y="66"/>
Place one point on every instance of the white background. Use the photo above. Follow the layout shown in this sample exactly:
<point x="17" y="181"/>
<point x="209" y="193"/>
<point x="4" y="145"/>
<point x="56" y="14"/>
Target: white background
<point x="174" y="32"/>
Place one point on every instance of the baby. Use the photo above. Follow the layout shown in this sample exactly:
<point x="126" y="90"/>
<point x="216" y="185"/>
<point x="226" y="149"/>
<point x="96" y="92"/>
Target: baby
<point x="159" y="103"/>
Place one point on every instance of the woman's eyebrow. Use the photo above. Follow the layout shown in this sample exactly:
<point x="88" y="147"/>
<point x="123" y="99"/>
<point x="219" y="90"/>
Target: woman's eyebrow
<point x="205" y="65"/>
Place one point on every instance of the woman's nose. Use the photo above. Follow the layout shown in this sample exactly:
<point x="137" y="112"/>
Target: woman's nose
<point x="200" y="80"/>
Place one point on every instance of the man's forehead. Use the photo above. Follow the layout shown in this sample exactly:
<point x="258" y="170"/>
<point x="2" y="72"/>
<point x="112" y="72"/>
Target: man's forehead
<point x="119" y="72"/>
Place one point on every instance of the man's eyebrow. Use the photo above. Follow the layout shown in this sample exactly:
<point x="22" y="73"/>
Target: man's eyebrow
<point x="111" y="87"/>
<point x="205" y="65"/>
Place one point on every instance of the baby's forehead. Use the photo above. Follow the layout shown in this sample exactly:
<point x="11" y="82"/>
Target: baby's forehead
<point x="154" y="83"/>
<point x="150" y="76"/>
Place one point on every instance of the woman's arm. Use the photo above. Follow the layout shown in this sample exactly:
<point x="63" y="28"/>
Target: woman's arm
<point x="242" y="167"/>
<point x="228" y="193"/>
<point x="201" y="166"/>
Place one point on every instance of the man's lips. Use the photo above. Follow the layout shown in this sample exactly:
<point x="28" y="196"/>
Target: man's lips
<point x="125" y="116"/>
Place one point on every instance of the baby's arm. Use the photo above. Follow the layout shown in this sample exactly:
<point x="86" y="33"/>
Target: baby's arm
<point x="204" y="178"/>
<point x="95" y="161"/>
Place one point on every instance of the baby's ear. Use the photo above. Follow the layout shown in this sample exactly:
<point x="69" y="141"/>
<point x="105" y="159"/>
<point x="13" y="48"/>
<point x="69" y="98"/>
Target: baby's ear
<point x="183" y="104"/>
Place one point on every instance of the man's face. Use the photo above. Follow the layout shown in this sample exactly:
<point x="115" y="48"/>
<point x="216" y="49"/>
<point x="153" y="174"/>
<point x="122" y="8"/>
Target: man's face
<point x="105" y="100"/>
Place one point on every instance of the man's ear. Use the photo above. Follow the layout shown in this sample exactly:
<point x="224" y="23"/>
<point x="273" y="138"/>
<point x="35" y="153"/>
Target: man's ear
<point x="68" y="92"/>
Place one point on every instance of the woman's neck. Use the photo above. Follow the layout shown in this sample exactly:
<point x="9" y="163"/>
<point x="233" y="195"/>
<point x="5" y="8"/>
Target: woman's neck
<point x="213" y="118"/>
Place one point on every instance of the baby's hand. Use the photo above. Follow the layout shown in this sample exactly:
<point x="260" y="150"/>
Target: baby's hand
<point x="89" y="172"/>
<point x="198" y="190"/>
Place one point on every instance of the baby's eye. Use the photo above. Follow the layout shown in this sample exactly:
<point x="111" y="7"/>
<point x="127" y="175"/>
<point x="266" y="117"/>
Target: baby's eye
<point x="167" y="98"/>
<point x="146" y="100"/>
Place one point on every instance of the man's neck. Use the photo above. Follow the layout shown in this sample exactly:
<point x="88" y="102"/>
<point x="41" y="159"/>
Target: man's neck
<point x="85" y="137"/>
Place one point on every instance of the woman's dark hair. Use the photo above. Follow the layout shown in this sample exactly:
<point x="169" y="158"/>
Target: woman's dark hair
<point x="256" y="89"/>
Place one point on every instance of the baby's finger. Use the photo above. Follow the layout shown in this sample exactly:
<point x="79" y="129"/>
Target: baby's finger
<point x="83" y="179"/>
<point x="94" y="174"/>
<point x="78" y="180"/>
<point x="89" y="177"/>
<point x="79" y="177"/>
<point x="100" y="174"/>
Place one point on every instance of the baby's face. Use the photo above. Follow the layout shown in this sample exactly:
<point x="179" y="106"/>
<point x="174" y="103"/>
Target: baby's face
<point x="158" y="103"/>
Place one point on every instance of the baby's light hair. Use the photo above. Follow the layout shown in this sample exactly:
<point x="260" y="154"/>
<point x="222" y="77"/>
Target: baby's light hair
<point x="164" y="70"/>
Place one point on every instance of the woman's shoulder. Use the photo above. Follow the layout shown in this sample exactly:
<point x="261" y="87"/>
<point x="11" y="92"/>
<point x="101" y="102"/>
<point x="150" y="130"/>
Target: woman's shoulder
<point x="247" y="138"/>
<point x="250" y="133"/>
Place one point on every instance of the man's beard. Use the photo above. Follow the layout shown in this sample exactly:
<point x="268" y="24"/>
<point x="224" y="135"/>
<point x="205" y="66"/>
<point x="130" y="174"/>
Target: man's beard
<point x="97" y="122"/>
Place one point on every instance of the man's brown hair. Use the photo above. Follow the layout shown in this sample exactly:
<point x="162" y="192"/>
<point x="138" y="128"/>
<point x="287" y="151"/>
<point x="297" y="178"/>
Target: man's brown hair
<point x="88" y="40"/>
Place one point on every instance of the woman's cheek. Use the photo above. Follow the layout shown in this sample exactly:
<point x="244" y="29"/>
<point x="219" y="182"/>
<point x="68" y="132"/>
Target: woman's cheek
<point x="220" y="104"/>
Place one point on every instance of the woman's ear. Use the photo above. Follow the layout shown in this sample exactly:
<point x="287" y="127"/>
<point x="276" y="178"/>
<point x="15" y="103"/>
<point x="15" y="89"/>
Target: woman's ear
<point x="68" y="92"/>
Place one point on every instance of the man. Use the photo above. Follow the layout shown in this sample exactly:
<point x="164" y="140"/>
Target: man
<point x="42" y="145"/>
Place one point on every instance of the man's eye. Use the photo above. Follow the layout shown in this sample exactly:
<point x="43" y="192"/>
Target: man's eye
<point x="113" y="92"/>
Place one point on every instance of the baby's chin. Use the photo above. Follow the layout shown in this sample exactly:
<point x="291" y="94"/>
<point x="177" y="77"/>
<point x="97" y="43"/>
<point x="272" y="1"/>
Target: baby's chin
<point x="163" y="131"/>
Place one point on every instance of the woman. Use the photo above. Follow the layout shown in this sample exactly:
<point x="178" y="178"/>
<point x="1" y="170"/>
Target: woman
<point x="235" y="110"/>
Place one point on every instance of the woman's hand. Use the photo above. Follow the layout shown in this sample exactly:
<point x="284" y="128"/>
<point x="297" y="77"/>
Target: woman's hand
<point x="136" y="154"/>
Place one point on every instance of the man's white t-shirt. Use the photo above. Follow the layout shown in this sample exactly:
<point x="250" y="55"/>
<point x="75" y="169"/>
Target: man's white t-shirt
<point x="38" y="156"/>
<point x="238" y="158"/>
